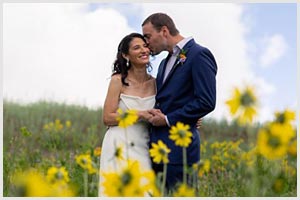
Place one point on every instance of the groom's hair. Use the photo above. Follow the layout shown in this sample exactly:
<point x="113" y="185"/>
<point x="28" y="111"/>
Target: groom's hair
<point x="158" y="20"/>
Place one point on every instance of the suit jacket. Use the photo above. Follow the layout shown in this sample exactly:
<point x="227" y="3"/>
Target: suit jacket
<point x="188" y="93"/>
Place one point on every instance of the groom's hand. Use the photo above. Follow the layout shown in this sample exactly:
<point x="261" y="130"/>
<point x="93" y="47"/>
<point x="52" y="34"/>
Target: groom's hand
<point x="158" y="118"/>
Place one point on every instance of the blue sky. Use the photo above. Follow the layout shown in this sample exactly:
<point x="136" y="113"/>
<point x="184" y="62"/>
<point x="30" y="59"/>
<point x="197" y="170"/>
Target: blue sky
<point x="59" y="44"/>
<point x="132" y="13"/>
<point x="277" y="18"/>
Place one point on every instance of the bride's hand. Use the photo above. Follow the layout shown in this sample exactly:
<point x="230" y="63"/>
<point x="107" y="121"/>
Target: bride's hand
<point x="144" y="115"/>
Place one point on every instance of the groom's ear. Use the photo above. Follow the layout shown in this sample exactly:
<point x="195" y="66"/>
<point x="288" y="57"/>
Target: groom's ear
<point x="165" y="30"/>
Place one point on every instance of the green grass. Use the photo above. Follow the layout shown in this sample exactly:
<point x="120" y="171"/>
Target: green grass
<point x="40" y="149"/>
<point x="43" y="149"/>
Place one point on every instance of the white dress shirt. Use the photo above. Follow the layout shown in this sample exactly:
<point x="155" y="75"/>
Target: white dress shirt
<point x="176" y="51"/>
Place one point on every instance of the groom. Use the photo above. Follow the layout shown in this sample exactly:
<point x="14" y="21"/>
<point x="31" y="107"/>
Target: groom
<point x="186" y="90"/>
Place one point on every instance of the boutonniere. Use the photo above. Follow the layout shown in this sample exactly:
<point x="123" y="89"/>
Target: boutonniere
<point x="182" y="56"/>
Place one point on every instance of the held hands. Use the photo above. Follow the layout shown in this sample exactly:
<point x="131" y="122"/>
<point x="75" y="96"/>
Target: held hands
<point x="144" y="115"/>
<point x="157" y="118"/>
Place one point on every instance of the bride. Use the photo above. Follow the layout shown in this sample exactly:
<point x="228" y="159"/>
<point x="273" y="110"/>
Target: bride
<point x="131" y="87"/>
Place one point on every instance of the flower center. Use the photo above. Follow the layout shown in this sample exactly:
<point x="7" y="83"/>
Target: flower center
<point x="124" y="115"/>
<point x="118" y="152"/>
<point x="246" y="99"/>
<point x="181" y="133"/>
<point x="280" y="119"/>
<point x="84" y="161"/>
<point x="59" y="175"/>
<point x="162" y="151"/>
<point x="274" y="142"/>
<point x="126" y="178"/>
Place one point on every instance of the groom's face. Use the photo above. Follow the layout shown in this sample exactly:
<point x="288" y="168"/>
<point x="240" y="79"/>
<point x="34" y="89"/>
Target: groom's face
<point x="154" y="38"/>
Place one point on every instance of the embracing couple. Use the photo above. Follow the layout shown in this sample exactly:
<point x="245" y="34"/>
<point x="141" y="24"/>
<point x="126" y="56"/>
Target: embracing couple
<point x="183" y="91"/>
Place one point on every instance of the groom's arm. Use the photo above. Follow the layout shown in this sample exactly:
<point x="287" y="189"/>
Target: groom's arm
<point x="204" y="79"/>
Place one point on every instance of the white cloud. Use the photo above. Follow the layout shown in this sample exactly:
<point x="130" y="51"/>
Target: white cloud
<point x="274" y="48"/>
<point x="59" y="52"/>
<point x="62" y="52"/>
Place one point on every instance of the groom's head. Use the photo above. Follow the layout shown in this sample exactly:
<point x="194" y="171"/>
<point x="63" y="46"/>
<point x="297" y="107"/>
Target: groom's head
<point x="158" y="28"/>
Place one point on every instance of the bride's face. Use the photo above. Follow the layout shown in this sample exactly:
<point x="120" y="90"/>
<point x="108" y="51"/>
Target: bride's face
<point x="138" y="53"/>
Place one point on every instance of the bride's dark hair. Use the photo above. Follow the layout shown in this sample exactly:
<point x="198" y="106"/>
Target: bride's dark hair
<point x="119" y="66"/>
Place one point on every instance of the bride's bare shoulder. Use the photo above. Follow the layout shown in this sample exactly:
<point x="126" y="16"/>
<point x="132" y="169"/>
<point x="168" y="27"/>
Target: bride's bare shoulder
<point x="116" y="80"/>
<point x="116" y="77"/>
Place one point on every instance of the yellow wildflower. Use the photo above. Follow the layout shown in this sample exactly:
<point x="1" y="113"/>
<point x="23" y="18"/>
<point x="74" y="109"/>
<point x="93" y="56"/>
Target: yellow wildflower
<point x="216" y="158"/>
<point x="249" y="157"/>
<point x="31" y="184"/>
<point x="185" y="191"/>
<point x="57" y="175"/>
<point x="85" y="162"/>
<point x="204" y="167"/>
<point x="25" y="131"/>
<point x="243" y="105"/>
<point x="49" y="126"/>
<point x="159" y="152"/>
<point x="62" y="190"/>
<point x="97" y="151"/>
<point x="203" y="147"/>
<point x="215" y="145"/>
<point x="284" y="131"/>
<point x="288" y="170"/>
<point x="285" y="117"/>
<point x="68" y="124"/>
<point x="58" y="125"/>
<point x="119" y="153"/>
<point x="270" y="145"/>
<point x="181" y="134"/>
<point x="292" y="149"/>
<point x="278" y="185"/>
<point x="130" y="181"/>
<point x="235" y="145"/>
<point x="46" y="127"/>
<point x="92" y="168"/>
<point x="127" y="118"/>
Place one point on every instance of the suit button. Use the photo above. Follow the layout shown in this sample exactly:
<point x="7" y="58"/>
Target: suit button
<point x="157" y="104"/>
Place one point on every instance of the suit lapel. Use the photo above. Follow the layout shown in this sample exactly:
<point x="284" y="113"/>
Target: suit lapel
<point x="161" y="71"/>
<point x="160" y="83"/>
<point x="172" y="70"/>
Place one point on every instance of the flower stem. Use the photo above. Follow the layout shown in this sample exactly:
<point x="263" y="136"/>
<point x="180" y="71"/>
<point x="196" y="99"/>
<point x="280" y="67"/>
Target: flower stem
<point x="85" y="180"/>
<point x="164" y="180"/>
<point x="127" y="147"/>
<point x="184" y="164"/>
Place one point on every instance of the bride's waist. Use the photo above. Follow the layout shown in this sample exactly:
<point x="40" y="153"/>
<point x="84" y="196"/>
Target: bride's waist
<point x="137" y="127"/>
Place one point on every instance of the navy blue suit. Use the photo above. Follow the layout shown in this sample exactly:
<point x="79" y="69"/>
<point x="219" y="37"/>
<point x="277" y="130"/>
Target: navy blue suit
<point x="188" y="93"/>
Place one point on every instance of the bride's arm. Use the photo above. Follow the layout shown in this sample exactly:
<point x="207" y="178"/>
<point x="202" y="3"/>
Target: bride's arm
<point x="112" y="101"/>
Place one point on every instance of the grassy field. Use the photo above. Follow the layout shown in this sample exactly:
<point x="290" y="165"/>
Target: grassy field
<point x="47" y="135"/>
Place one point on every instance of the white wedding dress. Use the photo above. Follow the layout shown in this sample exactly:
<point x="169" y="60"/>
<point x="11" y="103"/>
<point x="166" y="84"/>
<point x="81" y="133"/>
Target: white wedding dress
<point x="137" y="139"/>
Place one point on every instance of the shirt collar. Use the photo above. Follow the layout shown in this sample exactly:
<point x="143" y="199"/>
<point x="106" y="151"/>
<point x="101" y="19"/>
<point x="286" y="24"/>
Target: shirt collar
<point x="180" y="45"/>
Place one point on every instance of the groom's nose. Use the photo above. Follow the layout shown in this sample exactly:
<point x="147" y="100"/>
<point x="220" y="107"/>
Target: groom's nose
<point x="147" y="41"/>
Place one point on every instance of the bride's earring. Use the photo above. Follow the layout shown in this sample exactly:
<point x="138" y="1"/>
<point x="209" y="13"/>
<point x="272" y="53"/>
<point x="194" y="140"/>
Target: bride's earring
<point x="127" y="63"/>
